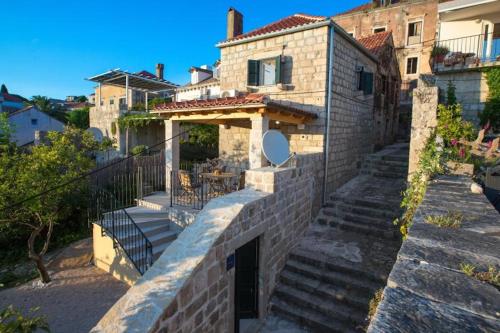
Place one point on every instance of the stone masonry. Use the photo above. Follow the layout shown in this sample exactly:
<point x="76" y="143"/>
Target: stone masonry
<point x="188" y="288"/>
<point x="426" y="290"/>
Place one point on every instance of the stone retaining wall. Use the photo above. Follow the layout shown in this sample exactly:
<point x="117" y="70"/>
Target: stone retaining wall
<point x="426" y="290"/>
<point x="188" y="288"/>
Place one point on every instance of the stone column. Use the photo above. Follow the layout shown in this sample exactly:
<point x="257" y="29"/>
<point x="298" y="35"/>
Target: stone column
<point x="423" y="122"/>
<point x="255" y="156"/>
<point x="171" y="148"/>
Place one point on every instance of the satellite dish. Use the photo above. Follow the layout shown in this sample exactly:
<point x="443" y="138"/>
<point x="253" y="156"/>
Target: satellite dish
<point x="97" y="133"/>
<point x="276" y="148"/>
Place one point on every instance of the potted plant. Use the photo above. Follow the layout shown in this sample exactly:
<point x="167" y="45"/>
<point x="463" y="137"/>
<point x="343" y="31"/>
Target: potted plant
<point x="439" y="53"/>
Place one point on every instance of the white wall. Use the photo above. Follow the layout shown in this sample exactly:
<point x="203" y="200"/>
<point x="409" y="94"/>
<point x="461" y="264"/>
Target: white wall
<point x="197" y="92"/>
<point x="24" y="131"/>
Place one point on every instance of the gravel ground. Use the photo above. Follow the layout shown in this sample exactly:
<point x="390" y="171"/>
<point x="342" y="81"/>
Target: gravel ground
<point x="78" y="296"/>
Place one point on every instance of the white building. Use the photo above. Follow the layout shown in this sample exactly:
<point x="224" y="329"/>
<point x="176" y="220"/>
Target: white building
<point x="28" y="121"/>
<point x="204" y="84"/>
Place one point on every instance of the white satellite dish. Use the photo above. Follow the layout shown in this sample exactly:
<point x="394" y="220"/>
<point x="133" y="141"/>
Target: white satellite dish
<point x="276" y="148"/>
<point x="97" y="133"/>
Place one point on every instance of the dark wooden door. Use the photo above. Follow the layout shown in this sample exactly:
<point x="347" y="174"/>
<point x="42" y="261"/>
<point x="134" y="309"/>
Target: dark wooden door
<point x="247" y="282"/>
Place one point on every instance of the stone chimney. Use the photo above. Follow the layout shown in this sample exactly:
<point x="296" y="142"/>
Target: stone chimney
<point x="234" y="23"/>
<point x="159" y="71"/>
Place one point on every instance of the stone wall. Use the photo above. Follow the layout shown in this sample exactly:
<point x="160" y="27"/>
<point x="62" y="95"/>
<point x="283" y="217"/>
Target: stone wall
<point x="426" y="290"/>
<point x="471" y="91"/>
<point x="351" y="124"/>
<point x="189" y="289"/>
<point x="424" y="121"/>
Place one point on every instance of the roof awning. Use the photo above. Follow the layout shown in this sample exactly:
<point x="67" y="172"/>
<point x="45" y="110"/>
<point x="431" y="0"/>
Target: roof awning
<point x="138" y="82"/>
<point x="233" y="108"/>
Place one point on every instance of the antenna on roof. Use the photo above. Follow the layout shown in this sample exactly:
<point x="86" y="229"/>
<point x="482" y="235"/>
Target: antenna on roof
<point x="276" y="148"/>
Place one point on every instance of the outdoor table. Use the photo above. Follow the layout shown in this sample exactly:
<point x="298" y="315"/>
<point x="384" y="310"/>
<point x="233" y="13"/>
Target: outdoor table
<point x="220" y="183"/>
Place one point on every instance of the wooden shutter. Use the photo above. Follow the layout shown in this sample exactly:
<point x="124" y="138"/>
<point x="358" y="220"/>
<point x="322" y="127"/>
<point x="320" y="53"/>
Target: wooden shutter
<point x="278" y="76"/>
<point x="253" y="72"/>
<point x="367" y="83"/>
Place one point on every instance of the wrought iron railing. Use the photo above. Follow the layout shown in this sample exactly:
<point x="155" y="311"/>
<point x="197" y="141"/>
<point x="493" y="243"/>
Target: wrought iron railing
<point x="108" y="212"/>
<point x="468" y="50"/>
<point x="194" y="187"/>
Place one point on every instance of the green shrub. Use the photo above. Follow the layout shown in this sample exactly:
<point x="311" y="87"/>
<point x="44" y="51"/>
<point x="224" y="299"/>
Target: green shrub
<point x="449" y="220"/>
<point x="491" y="276"/>
<point x="139" y="149"/>
<point x="13" y="321"/>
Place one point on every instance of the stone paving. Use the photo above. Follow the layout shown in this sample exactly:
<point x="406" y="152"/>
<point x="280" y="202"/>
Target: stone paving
<point x="426" y="290"/>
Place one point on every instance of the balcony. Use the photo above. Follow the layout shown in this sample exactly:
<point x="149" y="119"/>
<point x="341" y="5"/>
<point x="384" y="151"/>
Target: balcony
<point x="466" y="53"/>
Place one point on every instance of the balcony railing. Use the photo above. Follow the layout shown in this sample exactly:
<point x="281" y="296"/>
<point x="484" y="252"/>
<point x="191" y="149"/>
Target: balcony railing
<point x="466" y="51"/>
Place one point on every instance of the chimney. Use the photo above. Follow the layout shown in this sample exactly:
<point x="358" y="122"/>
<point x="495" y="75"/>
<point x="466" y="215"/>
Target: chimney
<point x="234" y="23"/>
<point x="159" y="71"/>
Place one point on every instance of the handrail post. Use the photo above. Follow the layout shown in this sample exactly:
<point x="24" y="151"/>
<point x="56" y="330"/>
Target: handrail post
<point x="171" y="188"/>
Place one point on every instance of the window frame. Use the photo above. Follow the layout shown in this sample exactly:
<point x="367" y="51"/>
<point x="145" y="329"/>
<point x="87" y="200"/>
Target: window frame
<point x="255" y="77"/>
<point x="34" y="121"/>
<point x="413" y="56"/>
<point x="379" y="27"/>
<point x="413" y="21"/>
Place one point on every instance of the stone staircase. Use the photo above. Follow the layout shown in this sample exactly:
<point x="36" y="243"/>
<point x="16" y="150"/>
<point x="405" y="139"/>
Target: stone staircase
<point x="347" y="253"/>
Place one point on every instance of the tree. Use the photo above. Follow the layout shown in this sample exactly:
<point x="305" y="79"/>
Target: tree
<point x="65" y="156"/>
<point x="451" y="97"/>
<point x="81" y="99"/>
<point x="79" y="118"/>
<point x="42" y="103"/>
<point x="3" y="89"/>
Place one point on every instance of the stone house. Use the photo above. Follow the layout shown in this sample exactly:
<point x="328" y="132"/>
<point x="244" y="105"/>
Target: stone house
<point x="469" y="40"/>
<point x="387" y="86"/>
<point x="413" y="24"/>
<point x="281" y="78"/>
<point x="119" y="92"/>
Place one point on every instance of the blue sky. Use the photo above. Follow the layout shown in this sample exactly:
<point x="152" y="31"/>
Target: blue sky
<point x="48" y="47"/>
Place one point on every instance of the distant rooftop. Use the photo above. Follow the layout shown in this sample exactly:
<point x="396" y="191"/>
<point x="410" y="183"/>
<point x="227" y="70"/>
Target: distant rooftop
<point x="142" y="81"/>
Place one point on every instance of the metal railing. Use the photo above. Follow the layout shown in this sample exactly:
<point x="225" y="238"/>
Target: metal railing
<point x="194" y="187"/>
<point x="468" y="50"/>
<point x="108" y="212"/>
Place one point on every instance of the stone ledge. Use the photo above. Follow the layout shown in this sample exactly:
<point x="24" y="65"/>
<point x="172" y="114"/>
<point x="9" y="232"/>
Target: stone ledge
<point x="426" y="291"/>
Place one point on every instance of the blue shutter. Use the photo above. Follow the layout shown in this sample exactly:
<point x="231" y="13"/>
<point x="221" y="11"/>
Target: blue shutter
<point x="253" y="72"/>
<point x="367" y="83"/>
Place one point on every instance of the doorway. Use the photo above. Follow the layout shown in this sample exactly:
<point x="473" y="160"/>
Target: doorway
<point x="246" y="298"/>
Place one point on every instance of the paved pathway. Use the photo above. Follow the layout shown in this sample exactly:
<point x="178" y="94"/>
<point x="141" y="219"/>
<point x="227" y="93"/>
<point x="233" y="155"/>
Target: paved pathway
<point x="78" y="296"/>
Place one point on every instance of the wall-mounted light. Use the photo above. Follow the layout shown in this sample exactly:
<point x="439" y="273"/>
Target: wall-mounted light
<point x="277" y="122"/>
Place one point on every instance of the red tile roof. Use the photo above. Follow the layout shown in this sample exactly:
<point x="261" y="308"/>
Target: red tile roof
<point x="289" y="22"/>
<point x="226" y="101"/>
<point x="146" y="74"/>
<point x="12" y="98"/>
<point x="360" y="8"/>
<point x="375" y="43"/>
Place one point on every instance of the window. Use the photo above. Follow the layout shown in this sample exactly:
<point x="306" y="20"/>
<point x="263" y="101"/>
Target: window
<point x="365" y="81"/>
<point x="412" y="65"/>
<point x="111" y="101"/>
<point x="122" y="101"/>
<point x="264" y="72"/>
<point x="351" y="34"/>
<point x="34" y="122"/>
<point x="379" y="29"/>
<point x="414" y="33"/>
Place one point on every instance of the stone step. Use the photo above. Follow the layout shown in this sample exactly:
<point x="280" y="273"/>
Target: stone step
<point x="316" y="322"/>
<point x="348" y="208"/>
<point x="325" y="290"/>
<point x="388" y="205"/>
<point x="332" y="265"/>
<point x="396" y="157"/>
<point x="143" y="212"/>
<point x="379" y="222"/>
<point x="303" y="300"/>
<point x="347" y="281"/>
<point x="123" y="224"/>
<point x="385" y="165"/>
<point x="360" y="228"/>
<point x="393" y="175"/>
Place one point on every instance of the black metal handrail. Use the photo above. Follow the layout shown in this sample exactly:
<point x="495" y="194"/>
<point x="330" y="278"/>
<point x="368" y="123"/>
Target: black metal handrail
<point x="108" y="212"/>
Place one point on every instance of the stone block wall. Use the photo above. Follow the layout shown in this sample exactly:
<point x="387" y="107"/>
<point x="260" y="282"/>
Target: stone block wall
<point x="189" y="288"/>
<point x="351" y="124"/>
<point x="471" y="91"/>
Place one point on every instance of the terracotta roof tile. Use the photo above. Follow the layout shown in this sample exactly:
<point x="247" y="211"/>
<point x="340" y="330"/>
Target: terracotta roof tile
<point x="226" y="101"/>
<point x="289" y="22"/>
<point x="12" y="98"/>
<point x="376" y="42"/>
<point x="360" y="8"/>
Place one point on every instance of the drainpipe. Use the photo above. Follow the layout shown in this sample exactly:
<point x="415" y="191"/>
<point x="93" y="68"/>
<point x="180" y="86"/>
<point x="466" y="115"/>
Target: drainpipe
<point x="326" y="148"/>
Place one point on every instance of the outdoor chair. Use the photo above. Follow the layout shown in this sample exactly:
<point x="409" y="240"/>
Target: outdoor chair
<point x="188" y="186"/>
<point x="240" y="184"/>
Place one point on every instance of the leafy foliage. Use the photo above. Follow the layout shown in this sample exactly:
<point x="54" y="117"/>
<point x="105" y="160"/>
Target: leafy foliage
<point x="43" y="104"/>
<point x="204" y="135"/>
<point x="451" y="128"/>
<point x="65" y="156"/>
<point x="79" y="118"/>
<point x="491" y="112"/>
<point x="491" y="276"/>
<point x="374" y="302"/>
<point x="451" y="97"/>
<point x="450" y="220"/>
<point x="139" y="149"/>
<point x="158" y="101"/>
<point x="136" y="120"/>
<point x="13" y="321"/>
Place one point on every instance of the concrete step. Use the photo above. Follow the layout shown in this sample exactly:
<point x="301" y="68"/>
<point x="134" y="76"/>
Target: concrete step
<point x="316" y="322"/>
<point x="144" y="212"/>
<point x="347" y="281"/>
<point x="371" y="230"/>
<point x="126" y="224"/>
<point x="303" y="300"/>
<point x="332" y="292"/>
<point x="390" y="204"/>
<point x="379" y="222"/>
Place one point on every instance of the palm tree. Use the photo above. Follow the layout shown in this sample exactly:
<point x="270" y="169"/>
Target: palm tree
<point x="42" y="103"/>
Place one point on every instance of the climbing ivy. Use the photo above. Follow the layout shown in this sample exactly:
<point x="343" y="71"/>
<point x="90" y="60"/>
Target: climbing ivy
<point x="136" y="120"/>
<point x="491" y="110"/>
